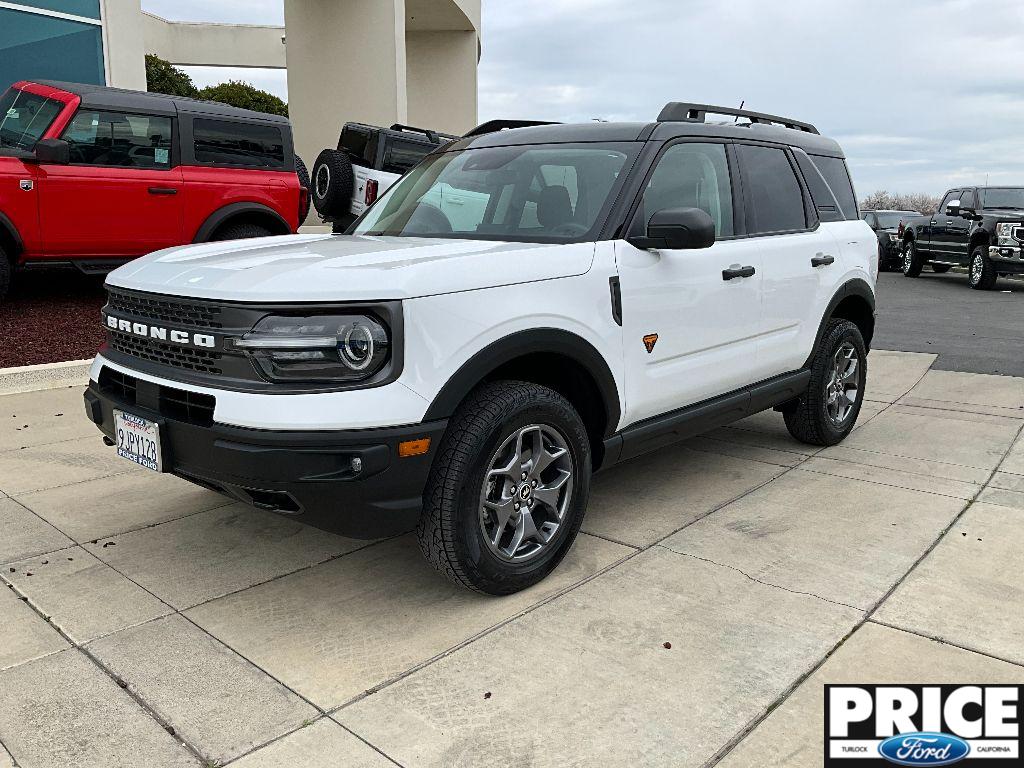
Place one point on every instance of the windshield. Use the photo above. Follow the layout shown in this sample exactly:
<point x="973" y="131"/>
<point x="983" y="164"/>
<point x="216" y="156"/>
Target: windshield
<point x="1002" y="197"/>
<point x="537" y="193"/>
<point x="24" y="118"/>
<point x="892" y="220"/>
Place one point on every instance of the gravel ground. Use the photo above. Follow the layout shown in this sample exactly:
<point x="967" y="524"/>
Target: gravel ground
<point x="50" y="316"/>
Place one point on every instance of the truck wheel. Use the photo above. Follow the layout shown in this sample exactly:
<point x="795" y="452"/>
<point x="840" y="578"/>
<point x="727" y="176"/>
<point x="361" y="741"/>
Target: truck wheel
<point x="941" y="269"/>
<point x="828" y="409"/>
<point x="983" y="271"/>
<point x="911" y="260"/>
<point x="333" y="181"/>
<point x="883" y="260"/>
<point x="302" y="172"/>
<point x="241" y="232"/>
<point x="5" y="274"/>
<point x="508" y="489"/>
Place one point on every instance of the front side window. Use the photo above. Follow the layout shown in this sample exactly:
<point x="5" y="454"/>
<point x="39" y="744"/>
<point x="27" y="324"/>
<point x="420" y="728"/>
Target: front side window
<point x="532" y="193"/>
<point x="692" y="175"/>
<point x="953" y="194"/>
<point x="774" y="196"/>
<point x="224" y="142"/>
<point x="24" y="118"/>
<point x="119" y="139"/>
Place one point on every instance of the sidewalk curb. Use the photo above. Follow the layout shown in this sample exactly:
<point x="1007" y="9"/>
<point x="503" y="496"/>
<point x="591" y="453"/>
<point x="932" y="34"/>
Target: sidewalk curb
<point x="31" y="378"/>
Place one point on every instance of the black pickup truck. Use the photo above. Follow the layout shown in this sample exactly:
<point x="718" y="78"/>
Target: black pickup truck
<point x="981" y="228"/>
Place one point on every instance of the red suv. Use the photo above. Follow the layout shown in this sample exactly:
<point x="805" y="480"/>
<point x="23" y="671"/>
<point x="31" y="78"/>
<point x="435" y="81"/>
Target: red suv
<point x="94" y="177"/>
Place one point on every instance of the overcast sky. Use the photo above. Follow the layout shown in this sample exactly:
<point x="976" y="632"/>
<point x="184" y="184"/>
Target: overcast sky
<point x="922" y="94"/>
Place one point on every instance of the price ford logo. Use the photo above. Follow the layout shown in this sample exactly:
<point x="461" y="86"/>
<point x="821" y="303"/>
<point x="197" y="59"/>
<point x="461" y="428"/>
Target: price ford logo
<point x="924" y="749"/>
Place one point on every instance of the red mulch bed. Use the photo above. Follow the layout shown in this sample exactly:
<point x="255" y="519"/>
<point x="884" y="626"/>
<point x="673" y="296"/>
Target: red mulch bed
<point x="50" y="316"/>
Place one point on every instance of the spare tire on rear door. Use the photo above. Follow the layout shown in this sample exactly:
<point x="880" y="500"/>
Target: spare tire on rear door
<point x="333" y="181"/>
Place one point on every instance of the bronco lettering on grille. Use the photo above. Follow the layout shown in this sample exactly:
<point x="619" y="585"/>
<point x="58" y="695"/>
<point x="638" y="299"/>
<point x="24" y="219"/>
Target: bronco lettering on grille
<point x="159" y="333"/>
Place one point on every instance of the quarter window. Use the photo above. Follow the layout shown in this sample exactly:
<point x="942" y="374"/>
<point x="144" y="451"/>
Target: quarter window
<point x="118" y="139"/>
<point x="222" y="142"/>
<point x="838" y="178"/>
<point x="692" y="175"/>
<point x="774" y="197"/>
<point x="824" y="200"/>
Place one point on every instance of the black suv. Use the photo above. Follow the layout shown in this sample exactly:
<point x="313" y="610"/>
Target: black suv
<point x="888" y="226"/>
<point x="977" y="227"/>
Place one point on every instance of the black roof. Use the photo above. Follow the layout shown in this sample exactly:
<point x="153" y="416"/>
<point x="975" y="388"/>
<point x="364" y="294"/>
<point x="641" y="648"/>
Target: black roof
<point x="101" y="97"/>
<point x="676" y="120"/>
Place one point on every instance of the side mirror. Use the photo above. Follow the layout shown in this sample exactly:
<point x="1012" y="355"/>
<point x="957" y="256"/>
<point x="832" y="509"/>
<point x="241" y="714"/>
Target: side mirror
<point x="677" y="229"/>
<point x="953" y="209"/>
<point x="53" y="152"/>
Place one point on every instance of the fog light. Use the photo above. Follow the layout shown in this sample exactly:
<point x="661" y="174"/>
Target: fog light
<point x="357" y="464"/>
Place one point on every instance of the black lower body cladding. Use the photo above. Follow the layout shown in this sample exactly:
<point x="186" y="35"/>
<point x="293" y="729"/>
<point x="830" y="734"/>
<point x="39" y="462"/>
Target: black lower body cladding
<point x="310" y="476"/>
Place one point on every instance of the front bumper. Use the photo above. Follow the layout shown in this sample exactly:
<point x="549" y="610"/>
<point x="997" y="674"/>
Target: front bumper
<point x="307" y="475"/>
<point x="1008" y="258"/>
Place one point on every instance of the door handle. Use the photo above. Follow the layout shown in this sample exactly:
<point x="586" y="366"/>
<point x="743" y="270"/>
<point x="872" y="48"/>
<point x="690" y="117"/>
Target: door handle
<point x="729" y="274"/>
<point x="932" y="221"/>
<point x="822" y="260"/>
<point x="163" y="191"/>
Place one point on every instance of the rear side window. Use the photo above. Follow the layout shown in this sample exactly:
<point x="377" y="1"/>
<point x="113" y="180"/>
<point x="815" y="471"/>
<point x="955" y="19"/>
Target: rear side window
<point x="119" y="139"/>
<point x="838" y="178"/>
<point x="223" y="142"/>
<point x="824" y="201"/>
<point x="774" y="198"/>
<point x="402" y="155"/>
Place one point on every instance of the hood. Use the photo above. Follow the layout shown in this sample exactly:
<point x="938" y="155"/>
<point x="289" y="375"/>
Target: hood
<point x="328" y="268"/>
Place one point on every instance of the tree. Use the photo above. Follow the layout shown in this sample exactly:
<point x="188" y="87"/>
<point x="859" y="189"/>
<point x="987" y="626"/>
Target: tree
<point x="164" y="77"/>
<point x="915" y="201"/>
<point x="239" y="94"/>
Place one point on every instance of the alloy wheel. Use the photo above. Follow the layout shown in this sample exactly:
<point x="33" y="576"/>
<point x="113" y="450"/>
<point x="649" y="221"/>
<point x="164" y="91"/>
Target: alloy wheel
<point x="842" y="388"/>
<point x="908" y="257"/>
<point x="977" y="267"/>
<point x="526" y="493"/>
<point x="323" y="181"/>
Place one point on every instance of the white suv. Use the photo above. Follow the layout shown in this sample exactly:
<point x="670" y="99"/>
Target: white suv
<point x="521" y="309"/>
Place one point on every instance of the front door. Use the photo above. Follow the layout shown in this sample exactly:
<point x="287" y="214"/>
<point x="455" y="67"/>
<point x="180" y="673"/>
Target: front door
<point x="689" y="322"/>
<point x="939" y="247"/>
<point x="958" y="230"/>
<point x="120" y="196"/>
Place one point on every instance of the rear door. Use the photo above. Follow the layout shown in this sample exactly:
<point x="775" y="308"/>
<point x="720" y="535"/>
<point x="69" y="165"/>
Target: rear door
<point x="121" y="193"/>
<point x="689" y="329"/>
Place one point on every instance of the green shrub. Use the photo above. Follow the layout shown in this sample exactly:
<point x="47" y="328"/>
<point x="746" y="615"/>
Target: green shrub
<point x="164" y="77"/>
<point x="245" y="96"/>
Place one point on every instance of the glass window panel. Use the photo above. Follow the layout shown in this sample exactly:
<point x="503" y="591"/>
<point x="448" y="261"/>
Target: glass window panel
<point x="838" y="178"/>
<point x="222" y="142"/>
<point x="24" y="118"/>
<point x="42" y="47"/>
<point x="113" y="138"/>
<point x="692" y="175"/>
<point x="775" y="198"/>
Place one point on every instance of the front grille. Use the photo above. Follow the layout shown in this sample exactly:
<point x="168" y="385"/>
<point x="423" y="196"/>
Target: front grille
<point x="185" y="358"/>
<point x="177" y="404"/>
<point x="178" y="312"/>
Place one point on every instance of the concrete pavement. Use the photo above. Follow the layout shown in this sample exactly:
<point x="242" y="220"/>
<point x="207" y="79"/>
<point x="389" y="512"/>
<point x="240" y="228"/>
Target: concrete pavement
<point x="715" y="587"/>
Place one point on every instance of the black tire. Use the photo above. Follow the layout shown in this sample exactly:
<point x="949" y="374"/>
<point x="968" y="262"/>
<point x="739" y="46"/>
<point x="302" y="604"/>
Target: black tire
<point x="912" y="263"/>
<point x="333" y="181"/>
<point x="241" y="232"/>
<point x="941" y="269"/>
<point x="6" y="270"/>
<point x="451" y="531"/>
<point x="883" y="259"/>
<point x="981" y="273"/>
<point x="302" y="172"/>
<point x="808" y="419"/>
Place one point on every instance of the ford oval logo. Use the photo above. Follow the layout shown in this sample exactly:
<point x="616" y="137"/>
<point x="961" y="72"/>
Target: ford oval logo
<point x="924" y="749"/>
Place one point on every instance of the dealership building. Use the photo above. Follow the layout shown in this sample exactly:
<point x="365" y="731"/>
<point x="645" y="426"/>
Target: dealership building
<point x="376" y="61"/>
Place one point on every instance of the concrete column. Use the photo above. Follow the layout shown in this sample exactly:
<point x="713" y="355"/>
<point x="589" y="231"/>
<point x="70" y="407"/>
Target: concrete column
<point x="441" y="71"/>
<point x="122" y="44"/>
<point x="346" y="62"/>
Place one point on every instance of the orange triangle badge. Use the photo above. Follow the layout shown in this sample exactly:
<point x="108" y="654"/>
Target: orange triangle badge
<point x="649" y="341"/>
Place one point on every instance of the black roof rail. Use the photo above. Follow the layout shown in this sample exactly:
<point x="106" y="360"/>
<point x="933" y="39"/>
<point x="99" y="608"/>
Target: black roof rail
<point x="493" y="126"/>
<point x="678" y="111"/>
<point x="434" y="137"/>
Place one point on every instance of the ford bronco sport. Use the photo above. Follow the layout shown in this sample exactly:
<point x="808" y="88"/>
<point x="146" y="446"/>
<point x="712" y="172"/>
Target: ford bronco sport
<point x="524" y="307"/>
<point x="95" y="176"/>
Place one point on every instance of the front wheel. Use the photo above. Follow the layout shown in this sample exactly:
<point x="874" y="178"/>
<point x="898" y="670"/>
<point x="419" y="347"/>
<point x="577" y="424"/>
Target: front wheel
<point x="983" y="271"/>
<point x="826" y="412"/>
<point x="911" y="260"/>
<point x="508" y="490"/>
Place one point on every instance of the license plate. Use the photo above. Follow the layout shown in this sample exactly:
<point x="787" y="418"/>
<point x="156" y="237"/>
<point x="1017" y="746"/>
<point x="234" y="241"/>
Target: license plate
<point x="138" y="440"/>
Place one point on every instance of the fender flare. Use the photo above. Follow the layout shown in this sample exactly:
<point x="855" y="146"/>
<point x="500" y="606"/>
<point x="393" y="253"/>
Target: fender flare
<point x="8" y="226"/>
<point x="855" y="287"/>
<point x="549" y="340"/>
<point x="218" y="217"/>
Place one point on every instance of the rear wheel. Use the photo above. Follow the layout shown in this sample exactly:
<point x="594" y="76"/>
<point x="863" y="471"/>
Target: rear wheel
<point x="508" y="490"/>
<point x="983" y="271"/>
<point x="241" y="232"/>
<point x="911" y="260"/>
<point x="828" y="409"/>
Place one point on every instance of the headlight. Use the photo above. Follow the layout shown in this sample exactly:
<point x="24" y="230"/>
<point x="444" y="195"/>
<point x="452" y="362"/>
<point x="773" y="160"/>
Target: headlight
<point x="893" y="238"/>
<point x="1004" y="232"/>
<point x="327" y="348"/>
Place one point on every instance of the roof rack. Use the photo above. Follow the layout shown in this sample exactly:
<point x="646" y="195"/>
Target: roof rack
<point x="434" y="137"/>
<point x="678" y="111"/>
<point x="493" y="126"/>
